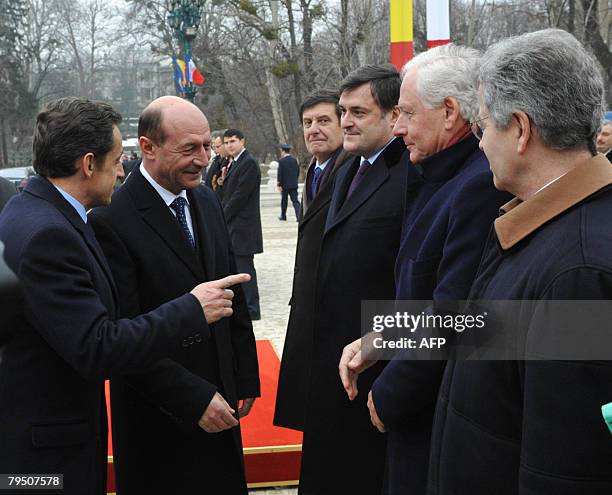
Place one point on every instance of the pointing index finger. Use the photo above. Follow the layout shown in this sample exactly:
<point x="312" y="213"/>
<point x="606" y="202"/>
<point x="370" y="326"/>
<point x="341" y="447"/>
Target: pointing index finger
<point x="231" y="280"/>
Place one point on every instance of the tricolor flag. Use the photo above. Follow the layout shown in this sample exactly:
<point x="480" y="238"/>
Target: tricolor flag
<point x="195" y="75"/>
<point x="180" y="77"/>
<point x="438" y="23"/>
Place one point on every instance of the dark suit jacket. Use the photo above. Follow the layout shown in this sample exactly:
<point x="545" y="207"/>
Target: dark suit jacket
<point x="358" y="251"/>
<point x="296" y="364"/>
<point x="240" y="198"/>
<point x="7" y="191"/>
<point x="534" y="426"/>
<point x="11" y="297"/>
<point x="447" y="221"/>
<point x="68" y="340"/>
<point x="152" y="262"/>
<point x="288" y="172"/>
<point x="213" y="172"/>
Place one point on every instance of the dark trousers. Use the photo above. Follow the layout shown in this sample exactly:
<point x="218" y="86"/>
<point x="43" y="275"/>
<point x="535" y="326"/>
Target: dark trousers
<point x="244" y="264"/>
<point x="292" y="193"/>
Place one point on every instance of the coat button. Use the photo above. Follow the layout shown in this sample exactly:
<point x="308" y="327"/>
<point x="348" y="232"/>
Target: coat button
<point x="189" y="340"/>
<point x="184" y="343"/>
<point x="198" y="338"/>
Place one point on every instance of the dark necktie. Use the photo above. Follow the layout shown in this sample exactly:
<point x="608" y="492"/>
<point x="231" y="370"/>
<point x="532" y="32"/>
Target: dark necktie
<point x="358" y="178"/>
<point x="178" y="205"/>
<point x="318" y="172"/>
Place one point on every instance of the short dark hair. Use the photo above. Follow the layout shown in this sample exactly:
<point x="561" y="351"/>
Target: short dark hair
<point x="233" y="132"/>
<point x="384" y="82"/>
<point x="150" y="125"/>
<point x="321" y="96"/>
<point x="69" y="128"/>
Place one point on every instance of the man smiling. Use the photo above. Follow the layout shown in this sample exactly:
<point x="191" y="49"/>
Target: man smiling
<point x="162" y="232"/>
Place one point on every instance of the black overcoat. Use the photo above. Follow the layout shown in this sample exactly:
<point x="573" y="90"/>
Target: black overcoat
<point x="360" y="243"/>
<point x="152" y="261"/>
<point x="68" y="340"/>
<point x="288" y="172"/>
<point x="240" y="198"/>
<point x="297" y="353"/>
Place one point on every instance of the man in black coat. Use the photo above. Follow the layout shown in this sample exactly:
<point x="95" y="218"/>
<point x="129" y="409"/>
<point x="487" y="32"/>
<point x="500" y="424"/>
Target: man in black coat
<point x="7" y="191"/>
<point x="68" y="337"/>
<point x="154" y="253"/>
<point x="342" y="452"/>
<point x="533" y="426"/>
<point x="213" y="171"/>
<point x="448" y="218"/>
<point x="320" y="117"/>
<point x="287" y="181"/>
<point x="240" y="198"/>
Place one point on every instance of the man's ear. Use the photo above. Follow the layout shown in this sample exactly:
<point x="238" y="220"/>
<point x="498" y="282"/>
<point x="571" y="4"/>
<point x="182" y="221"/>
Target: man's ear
<point x="524" y="131"/>
<point x="86" y="165"/>
<point x="395" y="113"/>
<point x="146" y="147"/>
<point x="452" y="112"/>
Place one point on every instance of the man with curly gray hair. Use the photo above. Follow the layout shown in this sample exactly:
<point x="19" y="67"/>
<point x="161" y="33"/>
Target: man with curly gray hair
<point x="534" y="426"/>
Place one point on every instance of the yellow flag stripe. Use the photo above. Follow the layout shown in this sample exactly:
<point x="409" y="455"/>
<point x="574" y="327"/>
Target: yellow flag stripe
<point x="401" y="20"/>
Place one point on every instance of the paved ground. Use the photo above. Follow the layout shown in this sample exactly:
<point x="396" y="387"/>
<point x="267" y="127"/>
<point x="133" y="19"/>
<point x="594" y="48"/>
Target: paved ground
<point x="275" y="274"/>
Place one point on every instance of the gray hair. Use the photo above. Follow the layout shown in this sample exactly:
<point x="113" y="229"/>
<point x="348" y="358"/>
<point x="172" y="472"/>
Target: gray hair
<point x="217" y="134"/>
<point x="448" y="71"/>
<point x="550" y="76"/>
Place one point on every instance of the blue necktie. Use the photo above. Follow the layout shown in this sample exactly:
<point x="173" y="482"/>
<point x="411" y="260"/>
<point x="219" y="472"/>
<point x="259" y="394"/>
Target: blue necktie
<point x="318" y="172"/>
<point x="178" y="205"/>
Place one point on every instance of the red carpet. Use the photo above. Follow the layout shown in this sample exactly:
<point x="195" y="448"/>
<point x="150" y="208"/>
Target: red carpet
<point x="271" y="454"/>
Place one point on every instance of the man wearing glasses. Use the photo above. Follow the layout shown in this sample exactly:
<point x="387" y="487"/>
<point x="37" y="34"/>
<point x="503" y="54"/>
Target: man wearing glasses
<point x="445" y="229"/>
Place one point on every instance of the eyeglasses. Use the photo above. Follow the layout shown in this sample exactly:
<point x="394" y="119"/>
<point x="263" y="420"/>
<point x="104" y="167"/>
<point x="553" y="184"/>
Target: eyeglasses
<point x="477" y="129"/>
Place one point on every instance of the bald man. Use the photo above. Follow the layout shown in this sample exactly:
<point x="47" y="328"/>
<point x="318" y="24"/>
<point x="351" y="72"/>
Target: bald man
<point x="175" y="427"/>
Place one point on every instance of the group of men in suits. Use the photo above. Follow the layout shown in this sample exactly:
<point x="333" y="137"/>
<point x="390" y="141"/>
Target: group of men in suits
<point x="364" y="238"/>
<point x="111" y="295"/>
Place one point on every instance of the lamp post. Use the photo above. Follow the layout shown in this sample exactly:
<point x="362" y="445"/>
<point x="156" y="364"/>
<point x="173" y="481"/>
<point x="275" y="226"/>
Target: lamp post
<point x="184" y="17"/>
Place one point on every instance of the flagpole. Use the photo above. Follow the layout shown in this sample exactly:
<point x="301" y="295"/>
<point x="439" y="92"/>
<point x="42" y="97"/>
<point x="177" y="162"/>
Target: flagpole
<point x="184" y="17"/>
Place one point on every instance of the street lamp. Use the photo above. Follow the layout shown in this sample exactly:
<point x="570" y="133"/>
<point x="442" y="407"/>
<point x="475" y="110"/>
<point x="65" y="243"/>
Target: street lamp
<point x="184" y="17"/>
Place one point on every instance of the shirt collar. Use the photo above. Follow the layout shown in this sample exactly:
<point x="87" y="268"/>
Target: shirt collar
<point x="239" y="155"/>
<point x="520" y="218"/>
<point x="167" y="196"/>
<point x="80" y="209"/>
<point x="323" y="165"/>
<point x="372" y="158"/>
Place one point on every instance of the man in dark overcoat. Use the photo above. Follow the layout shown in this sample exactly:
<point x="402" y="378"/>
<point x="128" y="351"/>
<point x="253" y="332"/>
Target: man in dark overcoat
<point x="240" y="197"/>
<point x="155" y="248"/>
<point x="534" y="425"/>
<point x="287" y="181"/>
<point x="342" y="452"/>
<point x="446" y="225"/>
<point x="320" y="117"/>
<point x="68" y="337"/>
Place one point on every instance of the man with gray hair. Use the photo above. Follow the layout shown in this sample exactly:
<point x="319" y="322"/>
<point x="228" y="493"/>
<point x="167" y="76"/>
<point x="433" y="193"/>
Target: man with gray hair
<point x="445" y="228"/>
<point x="535" y="426"/>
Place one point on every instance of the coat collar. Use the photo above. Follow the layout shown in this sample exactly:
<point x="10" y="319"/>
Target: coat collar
<point x="521" y="218"/>
<point x="41" y="187"/>
<point x="340" y="209"/>
<point x="161" y="220"/>
<point x="443" y="165"/>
